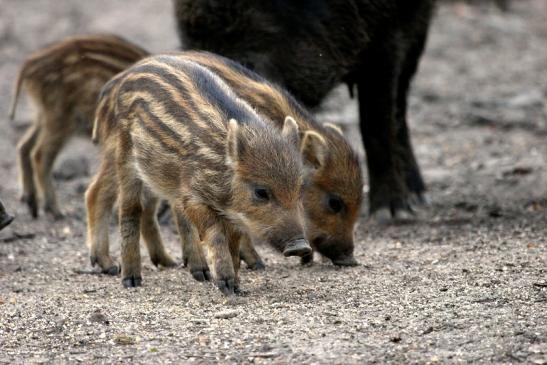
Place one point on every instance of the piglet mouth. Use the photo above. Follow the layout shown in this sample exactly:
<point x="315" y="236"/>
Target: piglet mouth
<point x="330" y="251"/>
<point x="298" y="247"/>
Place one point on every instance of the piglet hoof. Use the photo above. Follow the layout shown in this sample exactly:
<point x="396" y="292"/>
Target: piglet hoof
<point x="112" y="271"/>
<point x="110" y="268"/>
<point x="57" y="216"/>
<point x="5" y="221"/>
<point x="32" y="203"/>
<point x="54" y="212"/>
<point x="257" y="266"/>
<point x="201" y="274"/>
<point x="132" y="281"/>
<point x="163" y="261"/>
<point x="300" y="247"/>
<point x="226" y="286"/>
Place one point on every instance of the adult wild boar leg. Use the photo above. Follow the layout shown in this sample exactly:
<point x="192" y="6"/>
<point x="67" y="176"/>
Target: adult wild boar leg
<point x="192" y="252"/>
<point x="377" y="88"/>
<point x="151" y="234"/>
<point x="413" y="177"/>
<point x="249" y="255"/>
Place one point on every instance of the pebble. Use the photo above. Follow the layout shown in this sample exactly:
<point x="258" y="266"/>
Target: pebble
<point x="124" y="340"/>
<point x="226" y="314"/>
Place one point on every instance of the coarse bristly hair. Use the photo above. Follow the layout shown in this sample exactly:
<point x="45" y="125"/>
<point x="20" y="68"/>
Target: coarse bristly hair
<point x="334" y="170"/>
<point x="179" y="132"/>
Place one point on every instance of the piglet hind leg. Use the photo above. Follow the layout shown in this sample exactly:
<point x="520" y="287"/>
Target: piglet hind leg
<point x="151" y="234"/>
<point x="100" y="197"/>
<point x="130" y="213"/>
<point x="24" y="149"/>
<point x="44" y="153"/>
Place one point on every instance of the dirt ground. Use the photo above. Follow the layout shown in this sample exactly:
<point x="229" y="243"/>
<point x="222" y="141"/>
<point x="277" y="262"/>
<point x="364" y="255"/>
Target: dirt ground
<point x="464" y="283"/>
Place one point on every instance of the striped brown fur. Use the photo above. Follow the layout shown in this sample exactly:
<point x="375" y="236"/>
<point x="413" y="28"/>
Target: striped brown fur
<point x="63" y="82"/>
<point x="336" y="176"/>
<point x="172" y="129"/>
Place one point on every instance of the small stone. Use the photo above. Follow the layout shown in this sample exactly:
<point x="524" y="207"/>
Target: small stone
<point x="538" y="359"/>
<point x="227" y="314"/>
<point x="124" y="340"/>
<point x="531" y="98"/>
<point x="538" y="349"/>
<point x="203" y="340"/>
<point x="265" y="355"/>
<point x="67" y="231"/>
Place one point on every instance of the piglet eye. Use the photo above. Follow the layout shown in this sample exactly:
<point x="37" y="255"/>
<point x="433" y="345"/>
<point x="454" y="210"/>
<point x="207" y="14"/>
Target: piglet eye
<point x="261" y="194"/>
<point x="335" y="204"/>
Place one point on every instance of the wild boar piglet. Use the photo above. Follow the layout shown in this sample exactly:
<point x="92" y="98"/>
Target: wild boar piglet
<point x="176" y="131"/>
<point x="63" y="82"/>
<point x="333" y="188"/>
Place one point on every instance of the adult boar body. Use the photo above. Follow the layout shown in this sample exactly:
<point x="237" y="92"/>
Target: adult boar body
<point x="311" y="46"/>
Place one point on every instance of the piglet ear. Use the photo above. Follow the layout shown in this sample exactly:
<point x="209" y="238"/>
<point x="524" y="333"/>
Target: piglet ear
<point x="232" y="141"/>
<point x="290" y="131"/>
<point x="314" y="149"/>
<point x="334" y="127"/>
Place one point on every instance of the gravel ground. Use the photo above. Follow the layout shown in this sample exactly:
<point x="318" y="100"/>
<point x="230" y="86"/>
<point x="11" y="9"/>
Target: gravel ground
<point x="464" y="283"/>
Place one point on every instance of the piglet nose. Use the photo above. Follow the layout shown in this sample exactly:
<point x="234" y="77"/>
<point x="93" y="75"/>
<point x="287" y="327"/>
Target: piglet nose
<point x="299" y="247"/>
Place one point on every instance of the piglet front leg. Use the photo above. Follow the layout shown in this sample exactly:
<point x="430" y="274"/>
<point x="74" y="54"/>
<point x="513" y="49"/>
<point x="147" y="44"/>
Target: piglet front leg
<point x="220" y="246"/>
